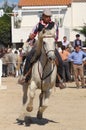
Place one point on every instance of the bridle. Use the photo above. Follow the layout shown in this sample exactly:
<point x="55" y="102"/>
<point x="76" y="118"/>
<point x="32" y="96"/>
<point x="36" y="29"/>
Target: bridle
<point x="42" y="77"/>
<point x="48" y="36"/>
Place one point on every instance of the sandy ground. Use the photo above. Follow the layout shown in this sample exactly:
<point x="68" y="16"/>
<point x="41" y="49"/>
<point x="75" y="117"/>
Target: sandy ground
<point x="66" y="111"/>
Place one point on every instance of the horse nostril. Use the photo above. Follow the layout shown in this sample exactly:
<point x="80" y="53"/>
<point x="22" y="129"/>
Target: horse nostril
<point x="50" y="58"/>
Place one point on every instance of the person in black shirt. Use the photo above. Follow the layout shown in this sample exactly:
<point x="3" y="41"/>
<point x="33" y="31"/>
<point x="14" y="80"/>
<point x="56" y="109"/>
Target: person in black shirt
<point x="77" y="41"/>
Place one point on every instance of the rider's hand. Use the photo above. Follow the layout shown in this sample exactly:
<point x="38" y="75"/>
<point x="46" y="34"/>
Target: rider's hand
<point x="32" y="36"/>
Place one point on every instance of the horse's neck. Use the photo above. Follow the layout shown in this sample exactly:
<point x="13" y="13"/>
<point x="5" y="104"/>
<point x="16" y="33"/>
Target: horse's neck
<point x="39" y="44"/>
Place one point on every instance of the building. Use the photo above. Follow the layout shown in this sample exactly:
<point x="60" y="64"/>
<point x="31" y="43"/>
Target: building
<point x="68" y="14"/>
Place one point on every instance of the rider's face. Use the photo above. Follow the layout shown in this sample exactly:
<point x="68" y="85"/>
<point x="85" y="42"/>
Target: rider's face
<point x="46" y="19"/>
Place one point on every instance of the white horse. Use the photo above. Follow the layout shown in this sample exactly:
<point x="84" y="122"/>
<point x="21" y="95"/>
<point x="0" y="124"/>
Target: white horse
<point x="43" y="73"/>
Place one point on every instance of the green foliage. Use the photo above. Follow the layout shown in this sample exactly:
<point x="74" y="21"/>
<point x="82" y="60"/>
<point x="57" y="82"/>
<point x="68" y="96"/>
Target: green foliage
<point x="83" y="30"/>
<point x="5" y="30"/>
<point x="5" y="25"/>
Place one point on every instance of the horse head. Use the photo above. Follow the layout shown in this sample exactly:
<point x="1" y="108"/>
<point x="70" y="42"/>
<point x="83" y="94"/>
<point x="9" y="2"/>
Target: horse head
<point x="48" y="43"/>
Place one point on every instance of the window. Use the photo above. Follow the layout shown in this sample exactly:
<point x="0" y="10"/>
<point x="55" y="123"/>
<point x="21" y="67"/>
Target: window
<point x="17" y="21"/>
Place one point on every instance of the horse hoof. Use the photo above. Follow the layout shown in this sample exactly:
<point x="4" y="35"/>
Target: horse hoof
<point x="27" y="121"/>
<point x="39" y="115"/>
<point x="29" y="109"/>
<point x="20" y="122"/>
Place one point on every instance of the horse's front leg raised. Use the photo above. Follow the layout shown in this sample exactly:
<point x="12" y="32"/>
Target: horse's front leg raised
<point x="32" y="89"/>
<point x="44" y="96"/>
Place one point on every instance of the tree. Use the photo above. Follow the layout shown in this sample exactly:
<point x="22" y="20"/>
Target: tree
<point x="83" y="31"/>
<point x="5" y="30"/>
<point x="5" y="26"/>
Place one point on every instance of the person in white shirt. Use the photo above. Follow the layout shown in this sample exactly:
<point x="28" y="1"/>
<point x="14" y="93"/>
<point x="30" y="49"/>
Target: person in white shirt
<point x="65" y="42"/>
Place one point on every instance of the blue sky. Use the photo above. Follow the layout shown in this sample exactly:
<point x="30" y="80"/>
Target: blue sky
<point x="9" y="1"/>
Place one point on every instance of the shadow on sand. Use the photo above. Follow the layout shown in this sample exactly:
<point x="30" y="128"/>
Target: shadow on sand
<point x="33" y="120"/>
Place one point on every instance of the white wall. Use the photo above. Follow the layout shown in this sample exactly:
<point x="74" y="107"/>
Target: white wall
<point x="79" y="14"/>
<point x="29" y="20"/>
<point x="67" y="19"/>
<point x="74" y="17"/>
<point x="27" y="24"/>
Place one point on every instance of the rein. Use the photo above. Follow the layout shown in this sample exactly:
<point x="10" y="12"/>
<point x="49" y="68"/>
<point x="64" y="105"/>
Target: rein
<point x="42" y="76"/>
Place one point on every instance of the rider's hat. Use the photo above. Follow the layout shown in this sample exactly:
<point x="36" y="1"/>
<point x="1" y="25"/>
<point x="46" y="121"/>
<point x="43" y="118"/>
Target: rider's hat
<point x="47" y="12"/>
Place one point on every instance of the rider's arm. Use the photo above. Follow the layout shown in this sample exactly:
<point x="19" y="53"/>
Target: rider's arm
<point x="33" y="33"/>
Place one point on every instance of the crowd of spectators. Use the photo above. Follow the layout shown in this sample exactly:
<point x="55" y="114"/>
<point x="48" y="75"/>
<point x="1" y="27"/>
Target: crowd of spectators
<point x="73" y="67"/>
<point x="12" y="62"/>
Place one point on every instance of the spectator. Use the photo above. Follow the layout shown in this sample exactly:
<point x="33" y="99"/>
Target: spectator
<point x="4" y="63"/>
<point x="64" y="55"/>
<point x="77" y="58"/>
<point x="11" y="64"/>
<point x="78" y="41"/>
<point x="67" y="44"/>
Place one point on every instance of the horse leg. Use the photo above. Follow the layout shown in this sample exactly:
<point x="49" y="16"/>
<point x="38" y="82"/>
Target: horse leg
<point x="25" y="90"/>
<point x="23" y="112"/>
<point x="32" y="90"/>
<point x="43" y="103"/>
<point x="41" y="107"/>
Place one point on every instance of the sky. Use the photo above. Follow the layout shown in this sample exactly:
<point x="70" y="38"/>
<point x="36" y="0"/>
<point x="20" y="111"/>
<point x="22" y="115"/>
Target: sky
<point x="9" y="1"/>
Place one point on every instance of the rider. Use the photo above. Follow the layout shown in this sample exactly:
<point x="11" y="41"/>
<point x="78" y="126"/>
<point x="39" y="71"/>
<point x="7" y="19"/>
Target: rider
<point x="34" y="54"/>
